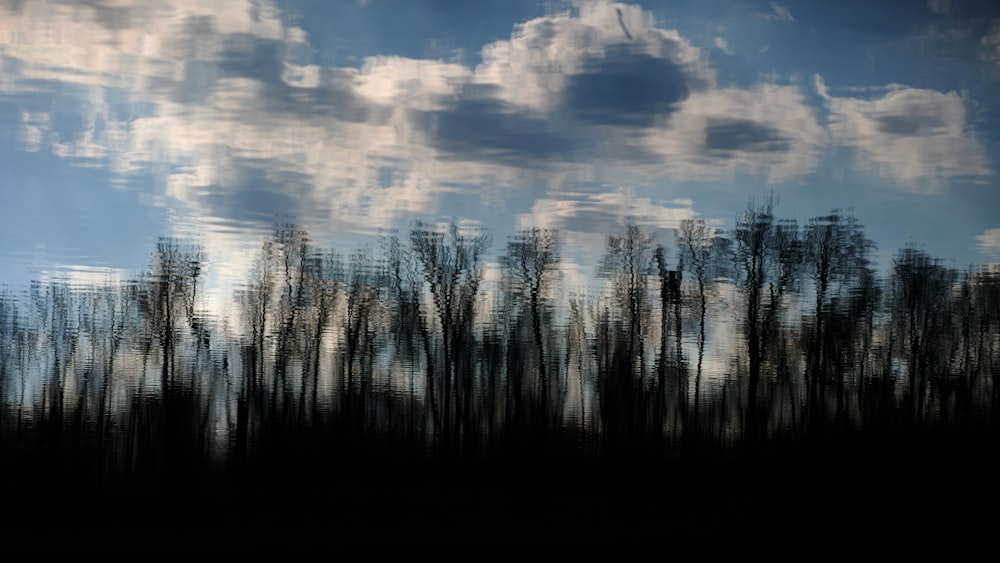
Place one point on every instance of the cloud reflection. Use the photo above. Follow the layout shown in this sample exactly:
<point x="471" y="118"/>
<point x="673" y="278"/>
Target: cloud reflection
<point x="223" y="102"/>
<point x="218" y="98"/>
<point x="917" y="137"/>
<point x="989" y="242"/>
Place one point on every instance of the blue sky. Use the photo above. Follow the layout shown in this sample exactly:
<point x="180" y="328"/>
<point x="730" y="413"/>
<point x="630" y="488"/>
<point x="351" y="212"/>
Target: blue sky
<point x="123" y="122"/>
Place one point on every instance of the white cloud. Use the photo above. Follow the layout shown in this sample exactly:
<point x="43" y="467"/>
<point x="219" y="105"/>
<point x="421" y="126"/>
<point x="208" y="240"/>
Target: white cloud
<point x="338" y="129"/>
<point x="768" y="131"/>
<point x="410" y="83"/>
<point x="989" y="242"/>
<point x="169" y="86"/>
<point x="588" y="218"/>
<point x="915" y="136"/>
<point x="820" y="86"/>
<point x="710" y="133"/>
<point x="362" y="148"/>
<point x="723" y="45"/>
<point x="83" y="275"/>
<point x="779" y="13"/>
<point x="531" y="69"/>
<point x="605" y="211"/>
<point x="34" y="130"/>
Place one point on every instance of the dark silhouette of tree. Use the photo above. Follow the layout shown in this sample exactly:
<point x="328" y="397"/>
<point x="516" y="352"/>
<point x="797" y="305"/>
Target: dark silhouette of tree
<point x="705" y="255"/>
<point x="671" y="358"/>
<point x="14" y="349"/>
<point x="276" y="305"/>
<point x="836" y="255"/>
<point x="168" y="304"/>
<point x="319" y="284"/>
<point x="363" y="303"/>
<point x="530" y="271"/>
<point x="627" y="264"/>
<point x="338" y="365"/>
<point x="452" y="271"/>
<point x="256" y="299"/>
<point x="406" y="324"/>
<point x="919" y="289"/>
<point x="768" y="258"/>
<point x="983" y="327"/>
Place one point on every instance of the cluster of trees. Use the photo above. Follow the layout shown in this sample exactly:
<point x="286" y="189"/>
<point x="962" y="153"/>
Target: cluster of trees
<point x="721" y="339"/>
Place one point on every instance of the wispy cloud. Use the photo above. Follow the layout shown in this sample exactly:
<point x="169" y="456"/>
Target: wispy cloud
<point x="723" y="45"/>
<point x="989" y="242"/>
<point x="779" y="13"/>
<point x="606" y="211"/>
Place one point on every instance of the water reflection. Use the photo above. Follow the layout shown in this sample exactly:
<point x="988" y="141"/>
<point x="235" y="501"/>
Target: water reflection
<point x="518" y="246"/>
<point x="409" y="341"/>
<point x="223" y="116"/>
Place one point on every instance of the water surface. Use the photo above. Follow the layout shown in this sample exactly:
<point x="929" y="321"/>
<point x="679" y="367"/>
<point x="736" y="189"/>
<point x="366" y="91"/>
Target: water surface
<point x="251" y="239"/>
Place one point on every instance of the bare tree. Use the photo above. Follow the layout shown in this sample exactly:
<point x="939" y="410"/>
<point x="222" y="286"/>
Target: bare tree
<point x="836" y="256"/>
<point x="920" y="286"/>
<point x="628" y="263"/>
<point x="452" y="271"/>
<point x="768" y="257"/>
<point x="530" y="270"/>
<point x="705" y="254"/>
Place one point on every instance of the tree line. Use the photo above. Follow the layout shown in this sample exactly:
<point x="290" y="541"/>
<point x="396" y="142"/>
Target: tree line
<point x="718" y="339"/>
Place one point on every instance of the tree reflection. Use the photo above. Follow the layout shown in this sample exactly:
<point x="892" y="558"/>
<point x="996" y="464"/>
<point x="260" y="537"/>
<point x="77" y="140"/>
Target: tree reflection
<point x="920" y="288"/>
<point x="705" y="255"/>
<point x="530" y="273"/>
<point x="768" y="258"/>
<point x="836" y="256"/>
<point x="410" y="350"/>
<point x="628" y="265"/>
<point x="452" y="271"/>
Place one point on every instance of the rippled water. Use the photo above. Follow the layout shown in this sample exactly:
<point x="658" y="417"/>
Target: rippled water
<point x="770" y="333"/>
<point x="253" y="239"/>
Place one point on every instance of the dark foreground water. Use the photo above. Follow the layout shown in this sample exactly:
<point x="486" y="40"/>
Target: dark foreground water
<point x="763" y="387"/>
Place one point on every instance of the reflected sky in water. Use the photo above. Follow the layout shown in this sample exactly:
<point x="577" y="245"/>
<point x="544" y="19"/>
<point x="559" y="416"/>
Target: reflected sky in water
<point x="123" y="121"/>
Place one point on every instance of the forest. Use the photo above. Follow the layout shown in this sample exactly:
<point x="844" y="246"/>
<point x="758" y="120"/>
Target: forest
<point x="776" y="344"/>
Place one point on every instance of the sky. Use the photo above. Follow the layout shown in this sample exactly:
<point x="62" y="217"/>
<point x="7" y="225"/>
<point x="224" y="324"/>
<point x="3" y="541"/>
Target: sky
<point x="123" y="121"/>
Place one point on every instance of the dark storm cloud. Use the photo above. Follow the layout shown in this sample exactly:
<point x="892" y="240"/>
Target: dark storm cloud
<point x="744" y="135"/>
<point x="626" y="88"/>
